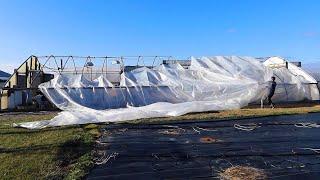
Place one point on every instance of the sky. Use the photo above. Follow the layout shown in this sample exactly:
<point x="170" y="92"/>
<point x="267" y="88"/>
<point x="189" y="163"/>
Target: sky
<point x="180" y="28"/>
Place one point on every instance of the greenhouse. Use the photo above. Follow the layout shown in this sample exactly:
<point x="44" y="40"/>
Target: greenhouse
<point x="169" y="89"/>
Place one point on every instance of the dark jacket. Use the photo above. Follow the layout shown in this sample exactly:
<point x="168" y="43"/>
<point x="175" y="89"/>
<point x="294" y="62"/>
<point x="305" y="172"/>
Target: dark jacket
<point x="272" y="88"/>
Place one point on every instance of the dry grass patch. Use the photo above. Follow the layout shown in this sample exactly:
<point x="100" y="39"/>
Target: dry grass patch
<point x="246" y="112"/>
<point x="242" y="173"/>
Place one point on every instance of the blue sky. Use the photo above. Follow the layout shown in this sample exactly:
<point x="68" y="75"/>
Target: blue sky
<point x="182" y="28"/>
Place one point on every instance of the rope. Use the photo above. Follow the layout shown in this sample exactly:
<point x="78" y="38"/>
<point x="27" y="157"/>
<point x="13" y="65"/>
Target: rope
<point x="312" y="149"/>
<point x="104" y="160"/>
<point x="205" y="129"/>
<point x="247" y="127"/>
<point x="176" y="127"/>
<point x="101" y="143"/>
<point x="174" y="131"/>
<point x="307" y="125"/>
<point x="196" y="129"/>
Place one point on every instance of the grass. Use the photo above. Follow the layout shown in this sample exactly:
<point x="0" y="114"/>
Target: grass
<point x="246" y="112"/>
<point x="65" y="152"/>
<point x="52" y="153"/>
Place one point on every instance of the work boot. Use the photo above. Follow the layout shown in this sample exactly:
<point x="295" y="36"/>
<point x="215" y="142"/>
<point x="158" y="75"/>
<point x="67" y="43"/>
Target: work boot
<point x="271" y="106"/>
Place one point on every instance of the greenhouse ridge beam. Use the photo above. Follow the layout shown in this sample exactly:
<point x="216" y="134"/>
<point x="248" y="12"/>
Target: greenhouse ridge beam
<point x="101" y="57"/>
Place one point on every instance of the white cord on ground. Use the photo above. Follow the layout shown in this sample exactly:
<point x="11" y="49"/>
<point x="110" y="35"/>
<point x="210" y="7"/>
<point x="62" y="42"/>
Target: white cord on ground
<point x="307" y="125"/>
<point x="105" y="160"/>
<point x="101" y="143"/>
<point x="312" y="149"/>
<point x="155" y="155"/>
<point x="197" y="131"/>
<point x="247" y="127"/>
<point x="177" y="127"/>
<point x="204" y="129"/>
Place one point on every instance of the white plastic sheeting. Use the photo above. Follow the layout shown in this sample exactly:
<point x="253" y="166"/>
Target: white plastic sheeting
<point x="210" y="84"/>
<point x="294" y="84"/>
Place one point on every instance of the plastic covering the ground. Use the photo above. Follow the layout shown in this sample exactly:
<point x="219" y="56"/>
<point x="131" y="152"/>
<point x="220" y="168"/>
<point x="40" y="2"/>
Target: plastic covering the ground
<point x="209" y="84"/>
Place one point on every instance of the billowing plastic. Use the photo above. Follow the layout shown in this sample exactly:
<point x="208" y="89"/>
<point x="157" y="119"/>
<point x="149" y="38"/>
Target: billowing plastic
<point x="294" y="84"/>
<point x="209" y="84"/>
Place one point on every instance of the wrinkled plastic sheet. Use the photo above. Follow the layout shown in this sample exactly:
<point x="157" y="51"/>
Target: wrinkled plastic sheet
<point x="209" y="84"/>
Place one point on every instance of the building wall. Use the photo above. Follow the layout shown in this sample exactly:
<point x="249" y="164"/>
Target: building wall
<point x="4" y="100"/>
<point x="16" y="90"/>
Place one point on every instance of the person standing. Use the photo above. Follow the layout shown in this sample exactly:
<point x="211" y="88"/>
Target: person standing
<point x="271" y="89"/>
